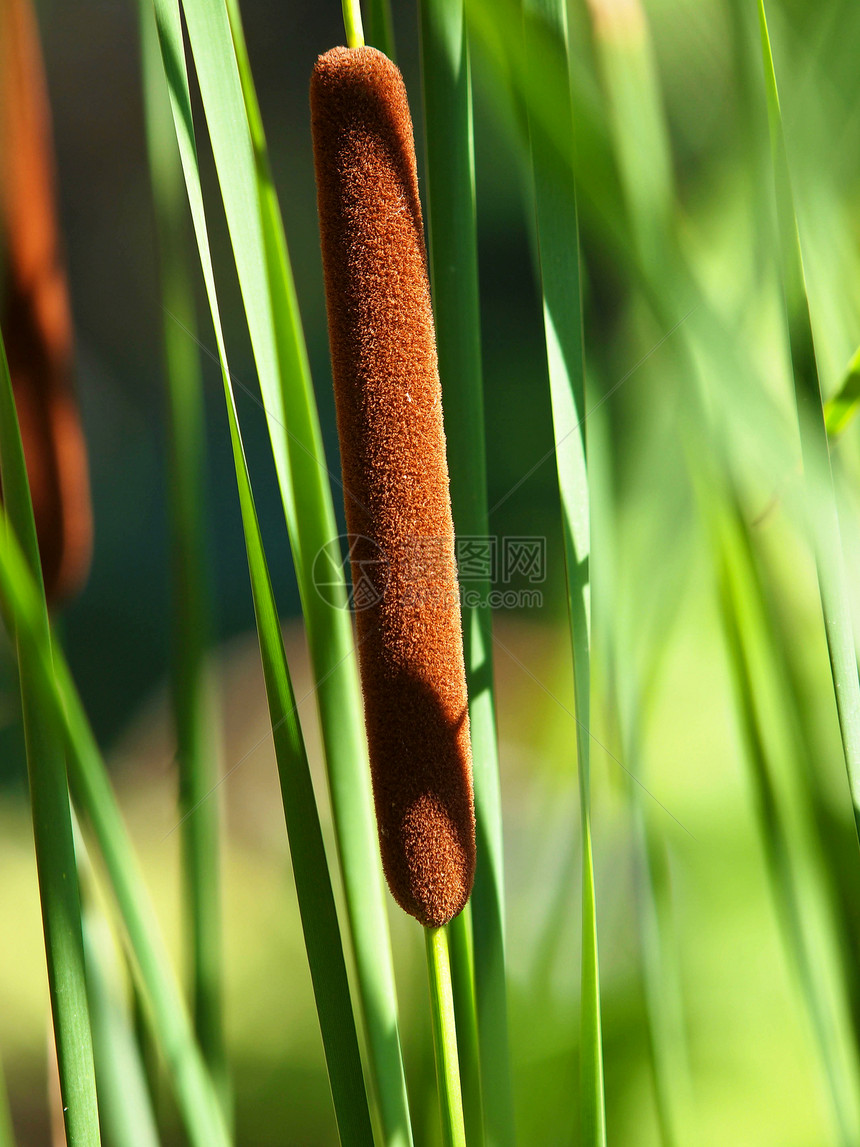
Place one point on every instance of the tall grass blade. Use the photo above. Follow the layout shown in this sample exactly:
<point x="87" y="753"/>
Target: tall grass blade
<point x="197" y="752"/>
<point x="265" y="278"/>
<point x="741" y="609"/>
<point x="841" y="408"/>
<point x="51" y="813"/>
<point x="822" y="511"/>
<point x="661" y="986"/>
<point x="310" y="866"/>
<point x="124" y="1100"/>
<point x="558" y="238"/>
<point x="632" y="677"/>
<point x="636" y="123"/>
<point x="454" y="276"/>
<point x="379" y="27"/>
<point x="93" y="793"/>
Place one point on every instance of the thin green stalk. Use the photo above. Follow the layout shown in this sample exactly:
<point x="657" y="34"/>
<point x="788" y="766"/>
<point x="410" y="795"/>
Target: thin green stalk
<point x="379" y="27"/>
<point x="323" y="941"/>
<point x="197" y="754"/>
<point x="125" y="1105"/>
<point x="462" y="953"/>
<point x="822" y="510"/>
<point x="454" y="274"/>
<point x="265" y="278"/>
<point x="52" y="824"/>
<point x="352" y="23"/>
<point x="558" y="239"/>
<point x="661" y="988"/>
<point x="445" y="1037"/>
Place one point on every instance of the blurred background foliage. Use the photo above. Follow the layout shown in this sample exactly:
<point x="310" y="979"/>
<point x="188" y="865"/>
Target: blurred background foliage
<point x="733" y="1001"/>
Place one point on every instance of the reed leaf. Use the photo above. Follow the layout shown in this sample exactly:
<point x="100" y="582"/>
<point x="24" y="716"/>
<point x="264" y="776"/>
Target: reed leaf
<point x="841" y="408"/>
<point x="453" y="249"/>
<point x="93" y="794"/>
<point x="266" y="282"/>
<point x="822" y="509"/>
<point x="49" y="801"/>
<point x="310" y="866"/>
<point x="125" y="1106"/>
<point x="558" y="239"/>
<point x="379" y="27"/>
<point x="196" y="749"/>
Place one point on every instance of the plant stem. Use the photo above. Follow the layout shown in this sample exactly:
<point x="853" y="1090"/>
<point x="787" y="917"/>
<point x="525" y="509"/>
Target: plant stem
<point x="197" y="755"/>
<point x="445" y="1037"/>
<point x="51" y="812"/>
<point x="462" y="951"/>
<point x="352" y="23"/>
<point x="453" y="247"/>
<point x="558" y="242"/>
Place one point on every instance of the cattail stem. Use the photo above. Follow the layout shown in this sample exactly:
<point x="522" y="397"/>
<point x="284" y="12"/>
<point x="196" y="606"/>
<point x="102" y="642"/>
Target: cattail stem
<point x="352" y="23"/>
<point x="445" y="1037"/>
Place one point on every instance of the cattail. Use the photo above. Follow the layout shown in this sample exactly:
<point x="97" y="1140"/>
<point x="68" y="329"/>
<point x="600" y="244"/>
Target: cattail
<point x="36" y="317"/>
<point x="395" y="474"/>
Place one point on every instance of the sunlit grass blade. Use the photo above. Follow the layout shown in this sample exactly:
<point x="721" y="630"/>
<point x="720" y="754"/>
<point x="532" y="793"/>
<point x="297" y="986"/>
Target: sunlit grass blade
<point x="558" y="239"/>
<point x="745" y="629"/>
<point x="660" y="982"/>
<point x="636" y="122"/>
<point x="94" y="796"/>
<point x="454" y="277"/>
<point x="841" y="408"/>
<point x="51" y="813"/>
<point x="196" y="750"/>
<point x="379" y="27"/>
<point x="124" y="1100"/>
<point x="633" y="672"/>
<point x="822" y="511"/>
<point x="265" y="278"/>
<point x="310" y="866"/>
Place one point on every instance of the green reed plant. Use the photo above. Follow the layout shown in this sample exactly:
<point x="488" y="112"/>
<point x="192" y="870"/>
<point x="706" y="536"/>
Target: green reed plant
<point x="685" y="456"/>
<point x="265" y="277"/>
<point x="558" y="238"/>
<point x="824" y="519"/>
<point x="478" y="934"/>
<point x="194" y="705"/>
<point x="52" y="825"/>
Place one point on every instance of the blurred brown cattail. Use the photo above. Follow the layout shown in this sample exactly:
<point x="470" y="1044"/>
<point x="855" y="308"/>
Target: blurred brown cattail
<point x="35" y="317"/>
<point x="395" y="473"/>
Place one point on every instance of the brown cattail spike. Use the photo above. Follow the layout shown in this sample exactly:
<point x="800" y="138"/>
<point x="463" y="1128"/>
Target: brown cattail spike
<point x="36" y="317"/>
<point x="395" y="473"/>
